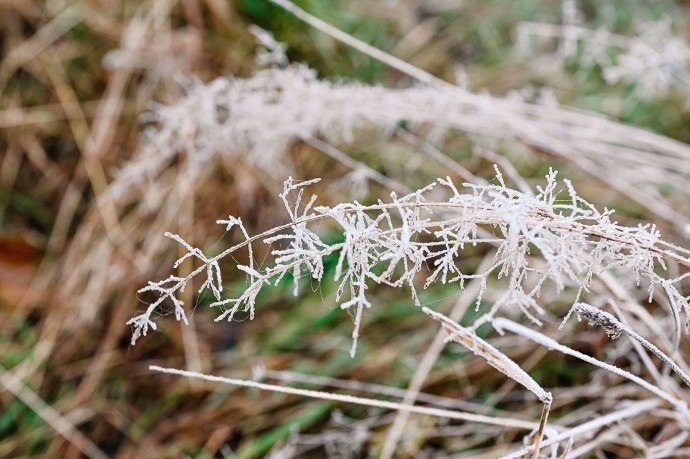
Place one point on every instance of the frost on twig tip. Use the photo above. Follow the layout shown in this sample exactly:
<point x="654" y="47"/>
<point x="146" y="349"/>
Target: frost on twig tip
<point x="615" y="328"/>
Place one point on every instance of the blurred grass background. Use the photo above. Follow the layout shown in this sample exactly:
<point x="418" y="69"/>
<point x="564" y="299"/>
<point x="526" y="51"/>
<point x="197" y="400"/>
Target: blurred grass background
<point x="67" y="121"/>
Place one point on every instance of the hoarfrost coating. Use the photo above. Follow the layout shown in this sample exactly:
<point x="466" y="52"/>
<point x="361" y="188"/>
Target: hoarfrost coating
<point x="393" y="242"/>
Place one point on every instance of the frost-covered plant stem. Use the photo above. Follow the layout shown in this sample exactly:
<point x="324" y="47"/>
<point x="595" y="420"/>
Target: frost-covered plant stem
<point x="393" y="243"/>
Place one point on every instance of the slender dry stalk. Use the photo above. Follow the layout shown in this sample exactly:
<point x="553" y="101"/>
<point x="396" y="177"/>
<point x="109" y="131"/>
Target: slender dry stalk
<point x="450" y="414"/>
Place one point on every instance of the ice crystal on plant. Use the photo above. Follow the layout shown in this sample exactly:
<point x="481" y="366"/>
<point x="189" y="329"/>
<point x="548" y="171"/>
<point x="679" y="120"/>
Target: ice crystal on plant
<point x="400" y="242"/>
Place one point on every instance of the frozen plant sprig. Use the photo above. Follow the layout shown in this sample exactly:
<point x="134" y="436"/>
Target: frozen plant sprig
<point x="400" y="242"/>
